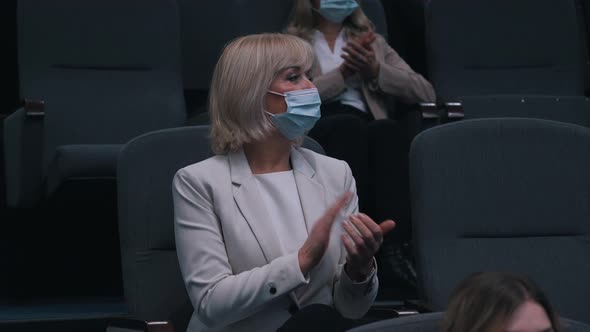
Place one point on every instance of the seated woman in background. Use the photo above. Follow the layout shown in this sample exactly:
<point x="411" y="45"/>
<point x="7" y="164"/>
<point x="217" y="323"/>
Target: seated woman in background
<point x="499" y="302"/>
<point x="355" y="71"/>
<point x="266" y="227"/>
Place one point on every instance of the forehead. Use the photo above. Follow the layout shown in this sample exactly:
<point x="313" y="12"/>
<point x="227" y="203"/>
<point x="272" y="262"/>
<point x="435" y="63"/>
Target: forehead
<point x="529" y="317"/>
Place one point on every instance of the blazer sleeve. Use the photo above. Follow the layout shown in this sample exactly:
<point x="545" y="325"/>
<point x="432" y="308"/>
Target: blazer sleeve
<point x="396" y="78"/>
<point x="218" y="296"/>
<point x="353" y="299"/>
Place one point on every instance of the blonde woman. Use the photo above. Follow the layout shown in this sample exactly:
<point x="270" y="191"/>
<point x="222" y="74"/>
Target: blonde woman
<point x="355" y="71"/>
<point x="266" y="227"/>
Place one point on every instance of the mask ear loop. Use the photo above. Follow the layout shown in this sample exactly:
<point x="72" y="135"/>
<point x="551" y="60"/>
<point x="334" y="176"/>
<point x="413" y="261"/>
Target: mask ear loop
<point x="276" y="93"/>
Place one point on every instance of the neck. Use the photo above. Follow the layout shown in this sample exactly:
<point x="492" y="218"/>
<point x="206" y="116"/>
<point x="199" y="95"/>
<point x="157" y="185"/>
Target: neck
<point x="269" y="155"/>
<point x="329" y="29"/>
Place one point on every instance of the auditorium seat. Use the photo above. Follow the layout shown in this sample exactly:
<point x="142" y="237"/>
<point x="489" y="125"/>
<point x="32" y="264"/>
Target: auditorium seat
<point x="153" y="287"/>
<point x="431" y="322"/>
<point x="503" y="194"/>
<point x="94" y="74"/>
<point x="490" y="48"/>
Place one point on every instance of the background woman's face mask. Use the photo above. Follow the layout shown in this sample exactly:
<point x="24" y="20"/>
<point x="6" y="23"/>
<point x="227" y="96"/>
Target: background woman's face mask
<point x="337" y="10"/>
<point x="303" y="111"/>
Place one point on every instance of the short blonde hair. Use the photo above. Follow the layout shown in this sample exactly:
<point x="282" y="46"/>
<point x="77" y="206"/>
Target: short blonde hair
<point x="304" y="20"/>
<point x="241" y="79"/>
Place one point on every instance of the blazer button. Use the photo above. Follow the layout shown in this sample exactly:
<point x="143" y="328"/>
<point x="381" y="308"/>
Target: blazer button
<point x="293" y="309"/>
<point x="273" y="290"/>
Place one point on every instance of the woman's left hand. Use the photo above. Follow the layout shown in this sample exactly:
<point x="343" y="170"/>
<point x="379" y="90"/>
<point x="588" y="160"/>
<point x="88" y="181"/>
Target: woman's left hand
<point x="360" y="57"/>
<point x="362" y="240"/>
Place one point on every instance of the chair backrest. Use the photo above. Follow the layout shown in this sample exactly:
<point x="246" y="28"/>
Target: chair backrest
<point x="376" y="13"/>
<point x="107" y="70"/>
<point x="569" y="109"/>
<point x="505" y="194"/>
<point x="504" y="47"/>
<point x="153" y="287"/>
<point x="431" y="322"/>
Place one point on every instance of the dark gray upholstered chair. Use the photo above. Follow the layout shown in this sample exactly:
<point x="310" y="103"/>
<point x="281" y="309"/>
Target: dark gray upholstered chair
<point x="153" y="287"/>
<point x="504" y="194"/>
<point x="471" y="54"/>
<point x="431" y="322"/>
<point x="96" y="74"/>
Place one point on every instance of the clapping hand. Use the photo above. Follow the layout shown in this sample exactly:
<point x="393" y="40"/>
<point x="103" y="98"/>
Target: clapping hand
<point x="359" y="57"/>
<point x="362" y="240"/>
<point x="315" y="246"/>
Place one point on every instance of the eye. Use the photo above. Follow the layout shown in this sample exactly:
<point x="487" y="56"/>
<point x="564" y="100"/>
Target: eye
<point x="293" y="77"/>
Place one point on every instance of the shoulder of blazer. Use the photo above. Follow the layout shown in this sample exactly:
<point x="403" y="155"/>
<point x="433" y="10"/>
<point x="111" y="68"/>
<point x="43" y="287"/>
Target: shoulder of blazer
<point x="324" y="165"/>
<point x="205" y="170"/>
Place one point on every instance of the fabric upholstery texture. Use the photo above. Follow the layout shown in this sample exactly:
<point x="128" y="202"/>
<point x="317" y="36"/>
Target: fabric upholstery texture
<point x="505" y="195"/>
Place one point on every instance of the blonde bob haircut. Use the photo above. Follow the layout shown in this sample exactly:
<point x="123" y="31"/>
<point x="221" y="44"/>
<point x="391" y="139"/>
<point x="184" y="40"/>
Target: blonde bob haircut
<point x="304" y="20"/>
<point x="241" y="79"/>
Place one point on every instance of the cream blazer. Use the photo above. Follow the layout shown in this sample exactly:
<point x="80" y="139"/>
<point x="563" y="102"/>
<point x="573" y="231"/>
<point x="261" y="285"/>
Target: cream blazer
<point x="395" y="78"/>
<point x="235" y="273"/>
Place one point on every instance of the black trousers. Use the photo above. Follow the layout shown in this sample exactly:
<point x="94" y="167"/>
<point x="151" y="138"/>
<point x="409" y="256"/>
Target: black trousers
<point x="377" y="153"/>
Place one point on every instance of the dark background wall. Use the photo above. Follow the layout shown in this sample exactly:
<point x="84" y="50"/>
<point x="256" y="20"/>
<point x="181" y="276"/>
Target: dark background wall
<point x="9" y="79"/>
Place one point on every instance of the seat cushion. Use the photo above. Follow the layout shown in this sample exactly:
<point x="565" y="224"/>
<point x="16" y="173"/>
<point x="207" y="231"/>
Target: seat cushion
<point x="82" y="162"/>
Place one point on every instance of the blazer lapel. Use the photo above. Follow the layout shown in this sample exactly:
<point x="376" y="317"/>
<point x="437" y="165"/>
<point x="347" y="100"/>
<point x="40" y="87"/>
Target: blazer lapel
<point x="311" y="193"/>
<point x="247" y="197"/>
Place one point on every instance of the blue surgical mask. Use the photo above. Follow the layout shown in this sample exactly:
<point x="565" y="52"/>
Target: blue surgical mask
<point x="303" y="111"/>
<point x="337" y="10"/>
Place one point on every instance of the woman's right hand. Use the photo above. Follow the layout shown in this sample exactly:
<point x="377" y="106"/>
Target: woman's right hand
<point x="359" y="57"/>
<point x="317" y="242"/>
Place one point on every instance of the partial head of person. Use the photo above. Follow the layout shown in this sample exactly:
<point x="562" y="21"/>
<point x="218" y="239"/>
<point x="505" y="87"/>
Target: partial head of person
<point x="499" y="302"/>
<point x="308" y="15"/>
<point x="260" y="89"/>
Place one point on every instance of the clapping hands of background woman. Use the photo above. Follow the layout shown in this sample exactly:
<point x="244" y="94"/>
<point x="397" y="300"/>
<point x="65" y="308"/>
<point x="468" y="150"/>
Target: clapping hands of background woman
<point x="359" y="57"/>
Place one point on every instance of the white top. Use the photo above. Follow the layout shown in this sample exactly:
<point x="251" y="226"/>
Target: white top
<point x="329" y="61"/>
<point x="281" y="198"/>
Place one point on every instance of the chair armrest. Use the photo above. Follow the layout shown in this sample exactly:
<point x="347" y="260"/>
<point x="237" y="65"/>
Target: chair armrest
<point x="419" y="305"/>
<point x="454" y="111"/>
<point x="429" y="111"/>
<point x="390" y="309"/>
<point x="23" y="157"/>
<point x="130" y="324"/>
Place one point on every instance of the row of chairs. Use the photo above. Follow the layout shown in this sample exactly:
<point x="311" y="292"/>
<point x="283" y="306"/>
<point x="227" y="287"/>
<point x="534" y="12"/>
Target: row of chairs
<point x="505" y="194"/>
<point x="88" y="88"/>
